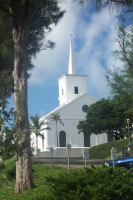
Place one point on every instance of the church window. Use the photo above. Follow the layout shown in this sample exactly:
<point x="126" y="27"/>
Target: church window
<point x="85" y="108"/>
<point x="62" y="92"/>
<point x="86" y="140"/>
<point x="76" y="90"/>
<point x="62" y="138"/>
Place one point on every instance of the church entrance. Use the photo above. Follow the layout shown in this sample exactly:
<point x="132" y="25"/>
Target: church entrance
<point x="86" y="140"/>
<point x="62" y="138"/>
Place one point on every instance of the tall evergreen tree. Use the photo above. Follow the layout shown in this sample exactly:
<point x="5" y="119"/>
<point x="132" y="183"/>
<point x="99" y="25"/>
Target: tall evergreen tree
<point x="125" y="5"/>
<point x="121" y="81"/>
<point x="26" y="19"/>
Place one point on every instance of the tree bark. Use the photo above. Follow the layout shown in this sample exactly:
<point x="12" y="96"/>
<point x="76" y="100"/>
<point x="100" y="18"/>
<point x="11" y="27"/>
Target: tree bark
<point x="23" y="164"/>
<point x="37" y="142"/>
<point x="56" y="134"/>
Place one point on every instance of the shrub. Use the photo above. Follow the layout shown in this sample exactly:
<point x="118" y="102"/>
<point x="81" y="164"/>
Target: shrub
<point x="10" y="171"/>
<point x="2" y="166"/>
<point x="92" y="184"/>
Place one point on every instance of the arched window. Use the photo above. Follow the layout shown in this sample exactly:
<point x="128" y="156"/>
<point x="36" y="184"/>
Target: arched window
<point x="86" y="140"/>
<point x="62" y="138"/>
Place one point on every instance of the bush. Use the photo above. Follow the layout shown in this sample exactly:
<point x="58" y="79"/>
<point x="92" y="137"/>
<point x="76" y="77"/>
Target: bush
<point x="92" y="184"/>
<point x="95" y="183"/>
<point x="10" y="171"/>
<point x="8" y="154"/>
<point x="2" y="166"/>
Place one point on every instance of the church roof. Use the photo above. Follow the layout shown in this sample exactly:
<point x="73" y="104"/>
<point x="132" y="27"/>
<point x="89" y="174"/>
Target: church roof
<point x="71" y="67"/>
<point x="73" y="75"/>
<point x="63" y="105"/>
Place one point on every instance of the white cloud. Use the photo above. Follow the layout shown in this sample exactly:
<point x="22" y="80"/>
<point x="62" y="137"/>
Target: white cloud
<point x="93" y="40"/>
<point x="42" y="113"/>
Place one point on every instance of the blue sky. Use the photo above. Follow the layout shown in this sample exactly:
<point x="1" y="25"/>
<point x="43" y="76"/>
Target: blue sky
<point x="93" y="40"/>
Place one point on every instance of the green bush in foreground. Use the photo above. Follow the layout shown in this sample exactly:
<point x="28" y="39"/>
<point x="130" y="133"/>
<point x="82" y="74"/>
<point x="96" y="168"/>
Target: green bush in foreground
<point x="95" y="183"/>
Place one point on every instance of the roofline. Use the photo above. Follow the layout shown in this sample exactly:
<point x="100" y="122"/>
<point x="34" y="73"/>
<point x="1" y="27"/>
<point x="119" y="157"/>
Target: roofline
<point x="72" y="75"/>
<point x="63" y="105"/>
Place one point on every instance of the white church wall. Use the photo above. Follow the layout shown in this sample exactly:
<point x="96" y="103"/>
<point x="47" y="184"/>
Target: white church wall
<point x="42" y="143"/>
<point x="70" y="115"/>
<point x="76" y="135"/>
<point x="103" y="138"/>
<point x="98" y="139"/>
<point x="73" y="110"/>
<point x="71" y="97"/>
<point x="72" y="136"/>
<point x="62" y="99"/>
<point x="39" y="142"/>
<point x="67" y="85"/>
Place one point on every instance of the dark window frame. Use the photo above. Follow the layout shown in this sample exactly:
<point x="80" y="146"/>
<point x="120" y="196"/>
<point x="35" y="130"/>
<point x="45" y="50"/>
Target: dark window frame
<point x="76" y="90"/>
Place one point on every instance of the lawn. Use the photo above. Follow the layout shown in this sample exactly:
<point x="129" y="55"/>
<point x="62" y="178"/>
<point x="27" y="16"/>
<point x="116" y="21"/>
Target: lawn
<point x="103" y="151"/>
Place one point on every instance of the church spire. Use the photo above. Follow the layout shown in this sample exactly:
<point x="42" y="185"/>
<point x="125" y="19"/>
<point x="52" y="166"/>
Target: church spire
<point x="71" y="67"/>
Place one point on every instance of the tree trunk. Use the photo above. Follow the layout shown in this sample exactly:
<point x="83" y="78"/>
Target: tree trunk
<point x="23" y="164"/>
<point x="37" y="142"/>
<point x="56" y="134"/>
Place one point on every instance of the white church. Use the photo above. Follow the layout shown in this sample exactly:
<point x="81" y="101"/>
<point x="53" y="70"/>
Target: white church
<point x="73" y="105"/>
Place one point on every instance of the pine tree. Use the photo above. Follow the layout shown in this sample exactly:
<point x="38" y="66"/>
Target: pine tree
<point x="121" y="81"/>
<point x="26" y="18"/>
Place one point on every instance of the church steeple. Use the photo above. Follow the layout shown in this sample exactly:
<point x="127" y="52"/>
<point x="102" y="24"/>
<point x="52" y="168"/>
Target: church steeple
<point x="71" y="85"/>
<point x="71" y="67"/>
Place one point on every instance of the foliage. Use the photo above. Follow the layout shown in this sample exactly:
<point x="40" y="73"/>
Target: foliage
<point x="39" y="27"/>
<point x="56" y="117"/>
<point x="6" y="89"/>
<point x="56" y="183"/>
<point x="2" y="166"/>
<point x="121" y="80"/>
<point x="8" y="144"/>
<point x="108" y="115"/>
<point x="28" y="22"/>
<point x="36" y="127"/>
<point x="124" y="5"/>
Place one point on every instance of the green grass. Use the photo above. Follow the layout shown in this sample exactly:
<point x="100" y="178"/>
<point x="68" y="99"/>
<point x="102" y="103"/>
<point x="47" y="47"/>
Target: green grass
<point x="8" y="162"/>
<point x="103" y="151"/>
<point x="96" y="183"/>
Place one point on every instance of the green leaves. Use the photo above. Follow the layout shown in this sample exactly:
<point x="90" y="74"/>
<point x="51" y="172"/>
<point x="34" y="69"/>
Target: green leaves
<point x="56" y="117"/>
<point x="108" y="115"/>
<point x="36" y="125"/>
<point x="121" y="80"/>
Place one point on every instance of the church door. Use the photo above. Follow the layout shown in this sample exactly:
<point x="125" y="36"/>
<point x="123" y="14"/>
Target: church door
<point x="86" y="140"/>
<point x="62" y="138"/>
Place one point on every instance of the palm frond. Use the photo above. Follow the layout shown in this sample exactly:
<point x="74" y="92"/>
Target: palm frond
<point x="56" y="117"/>
<point x="36" y="125"/>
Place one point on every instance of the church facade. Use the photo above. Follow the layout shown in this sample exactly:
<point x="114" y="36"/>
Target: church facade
<point x="73" y="105"/>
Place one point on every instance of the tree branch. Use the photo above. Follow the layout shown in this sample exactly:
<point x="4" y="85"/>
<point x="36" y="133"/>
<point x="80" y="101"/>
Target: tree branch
<point x="26" y="7"/>
<point x="8" y="13"/>
<point x="122" y="2"/>
<point x="34" y="10"/>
